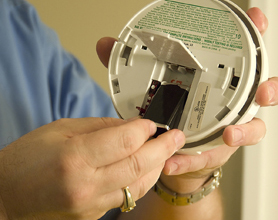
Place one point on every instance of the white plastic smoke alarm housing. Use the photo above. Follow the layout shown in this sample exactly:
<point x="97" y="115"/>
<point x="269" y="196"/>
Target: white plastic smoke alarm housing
<point x="194" y="65"/>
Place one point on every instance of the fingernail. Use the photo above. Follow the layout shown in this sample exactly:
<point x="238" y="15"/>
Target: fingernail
<point x="179" y="139"/>
<point x="238" y="135"/>
<point x="271" y="94"/>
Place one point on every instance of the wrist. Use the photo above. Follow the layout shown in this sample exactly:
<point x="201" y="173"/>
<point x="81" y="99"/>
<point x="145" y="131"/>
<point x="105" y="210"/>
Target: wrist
<point x="187" y="182"/>
<point x="182" y="183"/>
<point x="178" y="194"/>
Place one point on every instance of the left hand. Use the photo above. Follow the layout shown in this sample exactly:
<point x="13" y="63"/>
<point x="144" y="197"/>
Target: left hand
<point x="195" y="169"/>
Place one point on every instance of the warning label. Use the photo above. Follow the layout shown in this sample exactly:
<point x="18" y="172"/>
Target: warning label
<point x="199" y="106"/>
<point x="205" y="27"/>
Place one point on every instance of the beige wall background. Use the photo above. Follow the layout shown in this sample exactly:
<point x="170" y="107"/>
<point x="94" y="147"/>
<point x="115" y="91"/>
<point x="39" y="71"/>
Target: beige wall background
<point x="80" y="24"/>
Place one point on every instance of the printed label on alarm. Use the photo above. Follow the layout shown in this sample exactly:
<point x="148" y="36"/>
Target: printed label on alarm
<point x="199" y="107"/>
<point x="203" y="27"/>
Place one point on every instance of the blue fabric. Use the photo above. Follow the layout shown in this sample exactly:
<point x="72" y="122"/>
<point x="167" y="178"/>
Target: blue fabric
<point x="39" y="81"/>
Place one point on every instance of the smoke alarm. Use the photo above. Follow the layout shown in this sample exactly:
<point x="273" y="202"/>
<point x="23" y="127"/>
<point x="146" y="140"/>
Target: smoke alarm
<point x="193" y="65"/>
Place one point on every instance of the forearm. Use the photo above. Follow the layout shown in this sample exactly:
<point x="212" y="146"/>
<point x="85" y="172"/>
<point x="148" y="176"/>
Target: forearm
<point x="152" y="207"/>
<point x="2" y="208"/>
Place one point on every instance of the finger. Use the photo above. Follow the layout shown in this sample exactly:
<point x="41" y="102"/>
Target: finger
<point x="247" y="134"/>
<point x="201" y="165"/>
<point x="104" y="47"/>
<point x="259" y="19"/>
<point x="145" y="183"/>
<point x="113" y="144"/>
<point x="137" y="189"/>
<point x="151" y="155"/>
<point x="267" y="93"/>
<point x="70" y="127"/>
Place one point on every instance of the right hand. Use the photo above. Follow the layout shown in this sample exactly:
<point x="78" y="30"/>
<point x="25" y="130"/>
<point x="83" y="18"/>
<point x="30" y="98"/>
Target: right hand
<point x="76" y="168"/>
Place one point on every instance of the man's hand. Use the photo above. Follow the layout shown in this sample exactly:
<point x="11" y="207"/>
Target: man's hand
<point x="76" y="168"/>
<point x="234" y="136"/>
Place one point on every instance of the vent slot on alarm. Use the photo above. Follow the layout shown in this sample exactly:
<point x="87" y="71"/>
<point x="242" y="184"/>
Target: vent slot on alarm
<point x="116" y="86"/>
<point x="234" y="81"/>
<point x="126" y="54"/>
<point x="222" y="114"/>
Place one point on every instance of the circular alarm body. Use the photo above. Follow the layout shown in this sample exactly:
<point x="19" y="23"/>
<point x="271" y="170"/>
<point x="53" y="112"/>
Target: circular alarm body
<point x="191" y="65"/>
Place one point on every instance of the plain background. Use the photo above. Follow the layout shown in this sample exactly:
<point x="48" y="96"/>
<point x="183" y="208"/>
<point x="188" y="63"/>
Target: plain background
<point x="80" y="24"/>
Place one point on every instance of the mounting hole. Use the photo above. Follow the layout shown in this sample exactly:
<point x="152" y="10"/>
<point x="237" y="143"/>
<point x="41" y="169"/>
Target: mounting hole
<point x="144" y="47"/>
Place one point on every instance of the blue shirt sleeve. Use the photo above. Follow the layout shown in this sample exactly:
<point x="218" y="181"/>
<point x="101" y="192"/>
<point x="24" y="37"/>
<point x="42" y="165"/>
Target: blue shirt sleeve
<point x="39" y="81"/>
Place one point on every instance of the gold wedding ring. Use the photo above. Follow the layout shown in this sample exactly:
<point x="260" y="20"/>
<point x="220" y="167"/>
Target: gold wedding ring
<point x="129" y="203"/>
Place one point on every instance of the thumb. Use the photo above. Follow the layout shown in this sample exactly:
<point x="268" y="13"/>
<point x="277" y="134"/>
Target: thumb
<point x="104" y="47"/>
